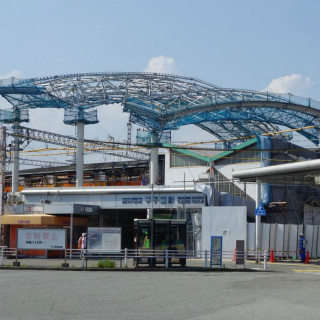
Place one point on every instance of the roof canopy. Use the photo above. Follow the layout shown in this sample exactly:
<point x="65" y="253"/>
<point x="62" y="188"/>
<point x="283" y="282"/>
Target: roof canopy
<point x="161" y="102"/>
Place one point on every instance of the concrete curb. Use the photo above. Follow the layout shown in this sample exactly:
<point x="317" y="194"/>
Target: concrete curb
<point x="190" y="269"/>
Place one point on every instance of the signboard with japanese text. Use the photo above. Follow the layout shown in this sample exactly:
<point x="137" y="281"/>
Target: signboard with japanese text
<point x="108" y="239"/>
<point x="46" y="239"/>
<point x="32" y="208"/>
<point x="161" y="200"/>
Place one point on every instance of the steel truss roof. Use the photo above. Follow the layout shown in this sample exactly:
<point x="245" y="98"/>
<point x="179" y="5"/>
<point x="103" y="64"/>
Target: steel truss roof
<point x="166" y="102"/>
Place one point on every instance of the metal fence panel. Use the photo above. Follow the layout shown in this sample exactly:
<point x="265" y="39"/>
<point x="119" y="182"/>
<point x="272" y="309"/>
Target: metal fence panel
<point x="265" y="237"/>
<point x="286" y="240"/>
<point x="309" y="236"/>
<point x="251" y="237"/>
<point x="318" y="242"/>
<point x="315" y="241"/>
<point x="273" y="235"/>
<point x="279" y="240"/>
<point x="293" y="241"/>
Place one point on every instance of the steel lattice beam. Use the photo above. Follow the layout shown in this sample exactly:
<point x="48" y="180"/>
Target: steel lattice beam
<point x="69" y="141"/>
<point x="166" y="102"/>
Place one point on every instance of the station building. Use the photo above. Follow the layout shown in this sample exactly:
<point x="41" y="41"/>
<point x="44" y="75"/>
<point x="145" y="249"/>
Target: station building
<point x="114" y="194"/>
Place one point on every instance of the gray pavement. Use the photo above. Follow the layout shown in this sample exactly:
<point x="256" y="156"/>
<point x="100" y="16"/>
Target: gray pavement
<point x="288" y="291"/>
<point x="191" y="263"/>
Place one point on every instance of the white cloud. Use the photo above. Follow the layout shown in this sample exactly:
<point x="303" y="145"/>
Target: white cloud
<point x="294" y="83"/>
<point x="12" y="73"/>
<point x="161" y="64"/>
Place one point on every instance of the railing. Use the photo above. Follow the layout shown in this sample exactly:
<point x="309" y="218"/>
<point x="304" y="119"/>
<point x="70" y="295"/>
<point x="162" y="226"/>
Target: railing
<point x="6" y="252"/>
<point x="148" y="258"/>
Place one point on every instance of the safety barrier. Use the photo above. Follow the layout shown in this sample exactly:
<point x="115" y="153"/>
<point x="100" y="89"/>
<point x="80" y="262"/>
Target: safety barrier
<point x="283" y="239"/>
<point x="147" y="258"/>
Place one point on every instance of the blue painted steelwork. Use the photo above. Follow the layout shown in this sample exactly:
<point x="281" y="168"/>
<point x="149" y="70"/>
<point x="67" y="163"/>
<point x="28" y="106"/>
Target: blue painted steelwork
<point x="161" y="102"/>
<point x="74" y="115"/>
<point x="12" y="116"/>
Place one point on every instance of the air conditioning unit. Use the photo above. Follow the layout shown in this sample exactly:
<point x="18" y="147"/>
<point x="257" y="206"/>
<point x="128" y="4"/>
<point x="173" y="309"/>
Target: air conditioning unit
<point x="206" y="177"/>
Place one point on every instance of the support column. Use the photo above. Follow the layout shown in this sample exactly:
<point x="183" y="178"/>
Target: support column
<point x="154" y="165"/>
<point x="2" y="177"/>
<point x="15" y="156"/>
<point x="154" y="160"/>
<point x="258" y="217"/>
<point x="80" y="149"/>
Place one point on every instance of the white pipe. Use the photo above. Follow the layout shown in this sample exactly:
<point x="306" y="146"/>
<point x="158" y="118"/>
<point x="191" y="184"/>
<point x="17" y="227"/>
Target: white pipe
<point x="154" y="160"/>
<point x="278" y="169"/>
<point x="154" y="165"/>
<point x="107" y="190"/>
<point x="15" y="162"/>
<point x="258" y="217"/>
<point x="80" y="149"/>
<point x="71" y="234"/>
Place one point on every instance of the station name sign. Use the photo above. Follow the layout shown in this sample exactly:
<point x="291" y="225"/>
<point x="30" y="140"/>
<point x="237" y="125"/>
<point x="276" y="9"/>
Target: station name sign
<point x="164" y="200"/>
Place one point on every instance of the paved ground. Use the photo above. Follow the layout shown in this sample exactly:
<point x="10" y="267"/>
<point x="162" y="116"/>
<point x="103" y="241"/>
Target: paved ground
<point x="77" y="263"/>
<point x="287" y="291"/>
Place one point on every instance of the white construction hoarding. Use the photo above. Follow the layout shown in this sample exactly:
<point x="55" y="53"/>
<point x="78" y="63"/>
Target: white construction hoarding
<point x="43" y="239"/>
<point x="228" y="222"/>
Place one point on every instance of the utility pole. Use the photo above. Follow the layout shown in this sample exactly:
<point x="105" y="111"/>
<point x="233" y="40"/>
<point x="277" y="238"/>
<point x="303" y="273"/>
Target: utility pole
<point x="2" y="177"/>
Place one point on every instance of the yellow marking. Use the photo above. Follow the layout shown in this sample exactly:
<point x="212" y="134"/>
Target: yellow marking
<point x="307" y="270"/>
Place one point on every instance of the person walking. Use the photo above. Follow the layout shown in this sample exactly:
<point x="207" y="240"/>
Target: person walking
<point x="146" y="241"/>
<point x="82" y="245"/>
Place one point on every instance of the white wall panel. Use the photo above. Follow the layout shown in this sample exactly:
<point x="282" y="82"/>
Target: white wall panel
<point x="308" y="236"/>
<point x="228" y="222"/>
<point x="251" y="238"/>
<point x="293" y="241"/>
<point x="279" y="240"/>
<point x="265" y="236"/>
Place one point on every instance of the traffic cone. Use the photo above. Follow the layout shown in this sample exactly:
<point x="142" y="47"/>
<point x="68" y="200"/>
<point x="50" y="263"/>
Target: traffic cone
<point x="271" y="257"/>
<point x="234" y="255"/>
<point x="307" y="258"/>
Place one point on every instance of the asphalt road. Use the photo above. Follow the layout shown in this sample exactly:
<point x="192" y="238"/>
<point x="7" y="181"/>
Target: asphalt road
<point x="292" y="292"/>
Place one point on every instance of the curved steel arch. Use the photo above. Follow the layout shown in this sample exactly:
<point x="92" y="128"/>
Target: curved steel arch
<point x="225" y="129"/>
<point x="166" y="102"/>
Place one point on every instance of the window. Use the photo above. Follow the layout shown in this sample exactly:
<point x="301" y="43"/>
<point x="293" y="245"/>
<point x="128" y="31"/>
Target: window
<point x="181" y="160"/>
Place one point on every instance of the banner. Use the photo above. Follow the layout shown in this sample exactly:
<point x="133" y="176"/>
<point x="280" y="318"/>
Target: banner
<point x="41" y="239"/>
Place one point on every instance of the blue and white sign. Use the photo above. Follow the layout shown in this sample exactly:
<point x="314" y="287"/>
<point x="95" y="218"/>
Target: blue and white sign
<point x="162" y="200"/>
<point x="260" y="211"/>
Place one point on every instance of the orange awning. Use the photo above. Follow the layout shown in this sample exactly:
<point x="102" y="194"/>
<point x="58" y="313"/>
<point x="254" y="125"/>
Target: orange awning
<point x="25" y="219"/>
<point x="41" y="219"/>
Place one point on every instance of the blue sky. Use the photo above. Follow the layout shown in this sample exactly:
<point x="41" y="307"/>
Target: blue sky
<point x="246" y="44"/>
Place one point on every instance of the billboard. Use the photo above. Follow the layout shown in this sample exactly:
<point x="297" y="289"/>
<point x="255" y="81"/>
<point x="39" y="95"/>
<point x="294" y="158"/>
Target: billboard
<point x="44" y="239"/>
<point x="108" y="239"/>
